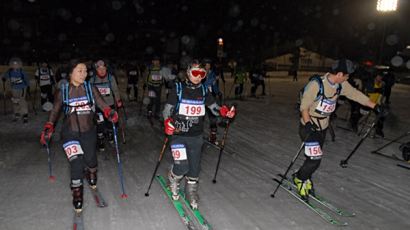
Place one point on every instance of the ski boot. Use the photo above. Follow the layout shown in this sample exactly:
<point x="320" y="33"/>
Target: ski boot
<point x="91" y="175"/>
<point x="25" y="118"/>
<point x="77" y="193"/>
<point x="110" y="137"/>
<point x="174" y="184"/>
<point x="304" y="187"/>
<point x="212" y="136"/>
<point x="191" y="191"/>
<point x="100" y="142"/>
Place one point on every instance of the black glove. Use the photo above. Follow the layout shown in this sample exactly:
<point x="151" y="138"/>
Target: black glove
<point x="378" y="109"/>
<point x="310" y="128"/>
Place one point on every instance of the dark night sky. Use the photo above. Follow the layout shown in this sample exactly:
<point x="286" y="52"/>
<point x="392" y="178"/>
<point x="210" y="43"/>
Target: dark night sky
<point x="251" y="30"/>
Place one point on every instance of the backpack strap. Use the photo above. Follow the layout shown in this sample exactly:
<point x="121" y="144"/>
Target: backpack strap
<point x="204" y="92"/>
<point x="64" y="94"/>
<point x="89" y="93"/>
<point x="178" y="87"/>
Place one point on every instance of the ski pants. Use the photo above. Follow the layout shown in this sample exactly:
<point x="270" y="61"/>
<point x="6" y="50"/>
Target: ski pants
<point x="310" y="165"/>
<point x="46" y="92"/>
<point x="88" y="142"/>
<point x="191" y="166"/>
<point x="132" y="87"/>
<point x="104" y="126"/>
<point x="154" y="94"/>
<point x="19" y="101"/>
<point x="239" y="89"/>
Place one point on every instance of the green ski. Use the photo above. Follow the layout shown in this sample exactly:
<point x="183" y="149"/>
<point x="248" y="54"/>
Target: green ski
<point x="179" y="207"/>
<point x="197" y="214"/>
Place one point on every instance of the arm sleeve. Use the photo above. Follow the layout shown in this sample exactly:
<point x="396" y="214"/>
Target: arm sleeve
<point x="115" y="89"/>
<point x="57" y="106"/>
<point x="354" y="94"/>
<point x="309" y="95"/>
<point x="170" y="104"/>
<point x="98" y="98"/>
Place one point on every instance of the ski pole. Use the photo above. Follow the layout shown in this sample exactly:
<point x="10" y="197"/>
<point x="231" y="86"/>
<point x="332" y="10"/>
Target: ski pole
<point x="50" y="171"/>
<point x="392" y="141"/>
<point x="289" y="167"/>
<point x="222" y="146"/>
<point x="158" y="163"/>
<point x="343" y="163"/>
<point x="142" y="101"/>
<point x="34" y="99"/>
<point x="123" y="195"/>
<point x="4" y="97"/>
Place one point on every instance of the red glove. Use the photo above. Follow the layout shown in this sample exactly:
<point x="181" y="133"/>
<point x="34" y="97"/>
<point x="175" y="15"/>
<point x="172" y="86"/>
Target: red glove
<point x="169" y="127"/>
<point x="47" y="132"/>
<point x="111" y="114"/>
<point x="226" y="112"/>
<point x="119" y="104"/>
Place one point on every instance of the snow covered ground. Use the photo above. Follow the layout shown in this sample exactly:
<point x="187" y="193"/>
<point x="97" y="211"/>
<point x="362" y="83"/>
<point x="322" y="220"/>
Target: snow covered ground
<point x="260" y="144"/>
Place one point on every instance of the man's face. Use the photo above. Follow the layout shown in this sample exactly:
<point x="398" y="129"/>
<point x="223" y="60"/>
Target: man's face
<point x="101" y="71"/>
<point x="341" y="77"/>
<point x="207" y="66"/>
<point x="155" y="62"/>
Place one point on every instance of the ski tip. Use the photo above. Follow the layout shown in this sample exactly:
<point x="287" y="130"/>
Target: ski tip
<point x="124" y="196"/>
<point x="52" y="179"/>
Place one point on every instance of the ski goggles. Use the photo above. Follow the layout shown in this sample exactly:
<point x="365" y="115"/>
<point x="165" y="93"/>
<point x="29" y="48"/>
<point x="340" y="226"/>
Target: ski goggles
<point x="198" y="72"/>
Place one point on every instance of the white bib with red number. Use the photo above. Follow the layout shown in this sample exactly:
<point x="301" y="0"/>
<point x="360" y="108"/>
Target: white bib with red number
<point x="72" y="149"/>
<point x="156" y="77"/>
<point x="104" y="90"/>
<point x="178" y="152"/>
<point x="326" y="107"/>
<point x="79" y="105"/>
<point x="192" y="108"/>
<point x="312" y="149"/>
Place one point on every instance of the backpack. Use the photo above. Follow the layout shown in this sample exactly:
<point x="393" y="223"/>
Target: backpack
<point x="179" y="94"/>
<point x="320" y="93"/>
<point x="65" y="96"/>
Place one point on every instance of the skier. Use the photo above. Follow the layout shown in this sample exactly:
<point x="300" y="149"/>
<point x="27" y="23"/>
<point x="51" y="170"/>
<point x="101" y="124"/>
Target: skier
<point x="239" y="81"/>
<point x="19" y="85"/>
<point x="154" y="81"/>
<point x="317" y="104"/>
<point x="107" y="86"/>
<point x="45" y="78"/>
<point x="62" y="74"/>
<point x="170" y="76"/>
<point x="133" y="75"/>
<point x="78" y="100"/>
<point x="211" y="84"/>
<point x="374" y="89"/>
<point x="184" y="116"/>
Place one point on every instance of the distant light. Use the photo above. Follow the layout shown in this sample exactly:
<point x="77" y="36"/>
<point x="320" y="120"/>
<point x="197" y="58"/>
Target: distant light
<point x="31" y="1"/>
<point x="220" y="42"/>
<point x="408" y="47"/>
<point x="386" y="5"/>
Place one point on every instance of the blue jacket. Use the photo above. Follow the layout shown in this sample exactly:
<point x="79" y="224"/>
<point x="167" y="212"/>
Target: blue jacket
<point x="211" y="83"/>
<point x="18" y="79"/>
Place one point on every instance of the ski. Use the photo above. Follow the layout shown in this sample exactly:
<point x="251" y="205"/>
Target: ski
<point x="404" y="166"/>
<point x="212" y="144"/>
<point x="196" y="213"/>
<point x="324" y="215"/>
<point x="179" y="207"/>
<point x="78" y="222"/>
<point x="99" y="199"/>
<point x="323" y="201"/>
<point x="393" y="156"/>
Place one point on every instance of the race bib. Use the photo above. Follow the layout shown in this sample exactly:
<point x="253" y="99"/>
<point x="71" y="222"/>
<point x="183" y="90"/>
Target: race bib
<point x="104" y="91"/>
<point x="133" y="72"/>
<point x="179" y="152"/>
<point x="191" y="108"/>
<point x="16" y="80"/>
<point x="151" y="93"/>
<point x="79" y="105"/>
<point x="156" y="77"/>
<point x="72" y="149"/>
<point x="312" y="149"/>
<point x="44" y="77"/>
<point x="100" y="118"/>
<point x="326" y="107"/>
